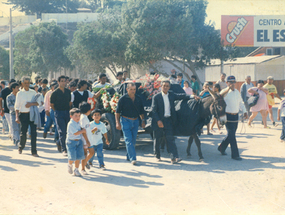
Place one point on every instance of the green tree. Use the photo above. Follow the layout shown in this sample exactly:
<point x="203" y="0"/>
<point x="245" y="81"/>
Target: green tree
<point x="172" y="31"/>
<point x="45" y="6"/>
<point x="40" y="49"/>
<point x="99" y="45"/>
<point x="4" y="64"/>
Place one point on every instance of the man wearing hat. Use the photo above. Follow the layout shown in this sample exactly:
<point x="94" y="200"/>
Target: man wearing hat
<point x="234" y="103"/>
<point x="272" y="92"/>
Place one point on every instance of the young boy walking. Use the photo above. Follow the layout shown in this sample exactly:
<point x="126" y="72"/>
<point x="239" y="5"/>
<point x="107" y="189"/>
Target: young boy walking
<point x="98" y="129"/>
<point x="74" y="143"/>
<point x="85" y="109"/>
<point x="281" y="111"/>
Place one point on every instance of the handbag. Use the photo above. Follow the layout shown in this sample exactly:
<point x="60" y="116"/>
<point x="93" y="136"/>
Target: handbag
<point x="252" y="101"/>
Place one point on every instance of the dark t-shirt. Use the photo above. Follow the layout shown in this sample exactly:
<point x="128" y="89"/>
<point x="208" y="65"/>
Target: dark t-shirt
<point x="61" y="99"/>
<point x="4" y="93"/>
<point x="129" y="108"/>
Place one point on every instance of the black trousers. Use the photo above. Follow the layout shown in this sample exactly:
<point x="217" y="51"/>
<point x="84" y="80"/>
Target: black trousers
<point x="231" y="136"/>
<point x="165" y="134"/>
<point x="24" y="125"/>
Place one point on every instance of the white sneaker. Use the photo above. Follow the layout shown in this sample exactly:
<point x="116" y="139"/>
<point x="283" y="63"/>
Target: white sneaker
<point x="76" y="172"/>
<point x="83" y="172"/>
<point x="281" y="140"/>
<point x="69" y="169"/>
<point x="134" y="162"/>
<point x="64" y="153"/>
<point x="103" y="168"/>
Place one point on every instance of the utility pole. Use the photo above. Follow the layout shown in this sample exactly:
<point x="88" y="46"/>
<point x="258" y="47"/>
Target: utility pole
<point x="11" y="47"/>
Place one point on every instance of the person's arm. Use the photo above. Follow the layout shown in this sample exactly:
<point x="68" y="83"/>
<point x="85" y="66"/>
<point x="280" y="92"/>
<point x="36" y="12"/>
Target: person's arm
<point x="30" y="104"/>
<point x="1" y="105"/>
<point x="278" y="115"/>
<point x="252" y="91"/>
<point x="264" y="90"/>
<point x="106" y="138"/>
<point x="118" y="114"/>
<point x="97" y="95"/>
<point x="17" y="117"/>
<point x="82" y="131"/>
<point x="277" y="95"/>
<point x="118" y="124"/>
<point x="86" y="139"/>
<point x="155" y="115"/>
<point x="225" y="91"/>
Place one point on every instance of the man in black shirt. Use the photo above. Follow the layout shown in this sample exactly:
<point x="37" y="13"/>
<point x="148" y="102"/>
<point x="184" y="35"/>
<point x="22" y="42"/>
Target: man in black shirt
<point x="60" y="102"/>
<point x="129" y="109"/>
<point x="4" y="93"/>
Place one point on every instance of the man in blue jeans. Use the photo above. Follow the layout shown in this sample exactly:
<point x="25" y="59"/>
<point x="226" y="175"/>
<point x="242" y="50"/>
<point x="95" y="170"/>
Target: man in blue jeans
<point x="60" y="102"/>
<point x="234" y="103"/>
<point x="50" y="113"/>
<point x="129" y="109"/>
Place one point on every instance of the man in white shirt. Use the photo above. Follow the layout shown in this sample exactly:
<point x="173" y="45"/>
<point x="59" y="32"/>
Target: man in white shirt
<point x="101" y="84"/>
<point x="234" y="103"/>
<point x="222" y="82"/>
<point x="22" y="108"/>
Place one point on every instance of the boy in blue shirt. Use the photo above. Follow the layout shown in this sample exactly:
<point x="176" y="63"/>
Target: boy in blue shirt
<point x="74" y="143"/>
<point x="98" y="129"/>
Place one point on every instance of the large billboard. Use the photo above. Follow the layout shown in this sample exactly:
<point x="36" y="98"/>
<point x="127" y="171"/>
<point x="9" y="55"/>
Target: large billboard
<point x="253" y="30"/>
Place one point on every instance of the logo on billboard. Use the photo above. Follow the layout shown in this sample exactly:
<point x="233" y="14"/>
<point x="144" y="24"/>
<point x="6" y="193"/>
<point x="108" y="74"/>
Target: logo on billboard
<point x="235" y="29"/>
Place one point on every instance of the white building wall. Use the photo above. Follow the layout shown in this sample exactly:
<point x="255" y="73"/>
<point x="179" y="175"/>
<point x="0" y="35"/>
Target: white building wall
<point x="240" y="71"/>
<point x="70" y="17"/>
<point x="16" y="20"/>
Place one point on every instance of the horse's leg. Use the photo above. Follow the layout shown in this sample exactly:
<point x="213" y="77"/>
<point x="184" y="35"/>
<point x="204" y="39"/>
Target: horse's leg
<point x="198" y="144"/>
<point x="190" y="141"/>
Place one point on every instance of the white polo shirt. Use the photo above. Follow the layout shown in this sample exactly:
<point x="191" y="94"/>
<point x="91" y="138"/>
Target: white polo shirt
<point x="22" y="98"/>
<point x="234" y="101"/>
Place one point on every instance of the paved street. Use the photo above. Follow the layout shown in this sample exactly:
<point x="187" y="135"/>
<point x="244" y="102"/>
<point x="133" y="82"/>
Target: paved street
<point x="219" y="185"/>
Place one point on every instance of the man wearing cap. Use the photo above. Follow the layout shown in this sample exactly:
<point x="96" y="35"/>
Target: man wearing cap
<point x="244" y="92"/>
<point x="272" y="91"/>
<point x="234" y="103"/>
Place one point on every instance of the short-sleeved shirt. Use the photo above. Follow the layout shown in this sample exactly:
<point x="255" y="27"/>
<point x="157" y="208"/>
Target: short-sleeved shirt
<point x="271" y="92"/>
<point x="11" y="103"/>
<point x="97" y="135"/>
<point x="4" y="93"/>
<point x="61" y="99"/>
<point x="97" y="86"/>
<point x="129" y="108"/>
<point x="72" y="128"/>
<point x="195" y="87"/>
<point x="85" y="123"/>
<point x="282" y="108"/>
<point x="222" y="84"/>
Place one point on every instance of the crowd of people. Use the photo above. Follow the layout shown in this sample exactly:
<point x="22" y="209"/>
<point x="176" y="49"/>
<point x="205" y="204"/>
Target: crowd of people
<point x="66" y="108"/>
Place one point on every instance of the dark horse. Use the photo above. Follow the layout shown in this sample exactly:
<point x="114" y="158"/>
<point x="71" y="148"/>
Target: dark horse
<point x="192" y="115"/>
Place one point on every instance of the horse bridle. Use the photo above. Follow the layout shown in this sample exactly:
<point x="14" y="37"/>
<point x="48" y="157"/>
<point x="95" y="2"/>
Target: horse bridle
<point x="215" y="111"/>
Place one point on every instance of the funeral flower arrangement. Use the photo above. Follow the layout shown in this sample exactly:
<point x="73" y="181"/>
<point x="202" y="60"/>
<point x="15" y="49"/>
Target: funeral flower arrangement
<point x="150" y="84"/>
<point x="114" y="102"/>
<point x="110" y="103"/>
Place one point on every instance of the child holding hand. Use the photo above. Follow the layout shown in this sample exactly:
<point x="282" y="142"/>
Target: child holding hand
<point x="98" y="129"/>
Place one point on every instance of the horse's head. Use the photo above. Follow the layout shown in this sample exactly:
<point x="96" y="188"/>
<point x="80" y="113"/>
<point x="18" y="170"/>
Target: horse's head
<point x="218" y="108"/>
